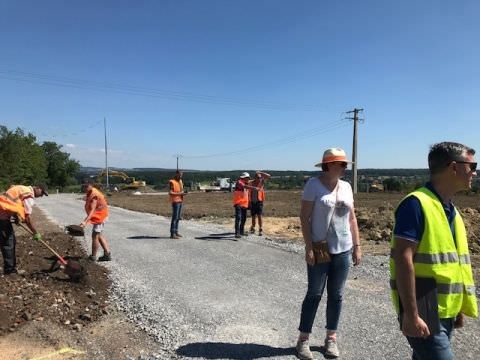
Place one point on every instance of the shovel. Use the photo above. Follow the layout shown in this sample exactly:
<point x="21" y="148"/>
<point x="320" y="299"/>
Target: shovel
<point x="72" y="268"/>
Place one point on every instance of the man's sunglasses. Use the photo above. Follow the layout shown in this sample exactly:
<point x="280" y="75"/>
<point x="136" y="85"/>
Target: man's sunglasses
<point x="473" y="165"/>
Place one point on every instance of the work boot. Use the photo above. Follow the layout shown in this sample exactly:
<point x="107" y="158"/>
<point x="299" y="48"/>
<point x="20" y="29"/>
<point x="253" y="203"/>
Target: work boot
<point x="252" y="230"/>
<point x="174" y="237"/>
<point x="106" y="257"/>
<point x="331" y="348"/>
<point x="178" y="235"/>
<point x="303" y="350"/>
<point x="260" y="232"/>
<point x="10" y="272"/>
<point x="238" y="236"/>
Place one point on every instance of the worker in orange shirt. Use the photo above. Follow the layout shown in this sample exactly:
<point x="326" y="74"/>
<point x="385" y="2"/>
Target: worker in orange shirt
<point x="257" y="197"/>
<point x="96" y="208"/>
<point x="16" y="202"/>
<point x="176" y="198"/>
<point x="240" y="203"/>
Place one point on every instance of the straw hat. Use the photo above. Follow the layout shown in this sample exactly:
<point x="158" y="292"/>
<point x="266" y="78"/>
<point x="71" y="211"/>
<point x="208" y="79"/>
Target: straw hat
<point x="333" y="154"/>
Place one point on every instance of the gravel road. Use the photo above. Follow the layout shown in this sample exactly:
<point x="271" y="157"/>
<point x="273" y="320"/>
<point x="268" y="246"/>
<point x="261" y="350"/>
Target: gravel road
<point x="209" y="296"/>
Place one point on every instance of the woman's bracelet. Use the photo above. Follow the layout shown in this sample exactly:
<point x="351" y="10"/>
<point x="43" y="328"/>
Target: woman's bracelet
<point x="357" y="245"/>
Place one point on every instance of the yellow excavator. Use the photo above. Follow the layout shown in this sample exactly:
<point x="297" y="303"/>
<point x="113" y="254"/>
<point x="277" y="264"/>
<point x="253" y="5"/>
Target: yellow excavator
<point x="129" y="183"/>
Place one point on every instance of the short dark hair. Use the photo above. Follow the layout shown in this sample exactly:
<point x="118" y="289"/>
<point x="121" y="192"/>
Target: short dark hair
<point x="442" y="154"/>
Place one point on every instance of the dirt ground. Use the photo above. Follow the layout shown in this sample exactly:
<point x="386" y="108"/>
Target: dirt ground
<point x="44" y="314"/>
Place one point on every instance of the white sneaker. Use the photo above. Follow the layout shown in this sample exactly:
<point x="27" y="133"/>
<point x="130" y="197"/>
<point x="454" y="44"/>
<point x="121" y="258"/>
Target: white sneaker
<point x="331" y="348"/>
<point x="303" y="350"/>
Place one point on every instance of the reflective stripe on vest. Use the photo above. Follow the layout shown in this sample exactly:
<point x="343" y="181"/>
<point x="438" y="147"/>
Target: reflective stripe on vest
<point x="439" y="258"/>
<point x="455" y="288"/>
<point x="443" y="257"/>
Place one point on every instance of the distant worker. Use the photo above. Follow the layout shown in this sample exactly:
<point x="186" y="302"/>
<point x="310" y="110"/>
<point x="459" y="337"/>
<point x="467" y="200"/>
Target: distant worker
<point x="430" y="254"/>
<point x="96" y="208"/>
<point x="331" y="236"/>
<point x="257" y="197"/>
<point x="16" y="202"/>
<point x="176" y="198"/>
<point x="240" y="203"/>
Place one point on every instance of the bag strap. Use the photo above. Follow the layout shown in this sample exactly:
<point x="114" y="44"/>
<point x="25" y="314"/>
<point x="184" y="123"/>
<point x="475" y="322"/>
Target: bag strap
<point x="335" y="206"/>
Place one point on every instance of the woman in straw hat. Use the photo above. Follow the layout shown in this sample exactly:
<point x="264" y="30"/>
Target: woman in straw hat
<point x="328" y="222"/>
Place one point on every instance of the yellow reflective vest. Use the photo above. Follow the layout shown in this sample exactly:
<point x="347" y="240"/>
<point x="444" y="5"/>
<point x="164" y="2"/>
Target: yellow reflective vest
<point x="441" y="256"/>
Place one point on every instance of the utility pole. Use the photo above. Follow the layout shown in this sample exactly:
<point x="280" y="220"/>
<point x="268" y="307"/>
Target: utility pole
<point x="106" y="154"/>
<point x="354" y="147"/>
<point x="177" y="156"/>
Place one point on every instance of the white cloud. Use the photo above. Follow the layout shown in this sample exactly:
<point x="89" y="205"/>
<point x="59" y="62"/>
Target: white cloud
<point x="70" y="146"/>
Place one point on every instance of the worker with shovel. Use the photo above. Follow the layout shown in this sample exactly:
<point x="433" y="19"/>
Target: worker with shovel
<point x="16" y="202"/>
<point x="96" y="208"/>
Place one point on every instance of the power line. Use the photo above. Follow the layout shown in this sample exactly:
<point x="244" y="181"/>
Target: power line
<point x="67" y="133"/>
<point x="61" y="81"/>
<point x="286" y="140"/>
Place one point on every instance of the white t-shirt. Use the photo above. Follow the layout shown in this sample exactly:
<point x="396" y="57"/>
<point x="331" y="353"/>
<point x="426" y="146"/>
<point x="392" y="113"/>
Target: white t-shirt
<point x="334" y="226"/>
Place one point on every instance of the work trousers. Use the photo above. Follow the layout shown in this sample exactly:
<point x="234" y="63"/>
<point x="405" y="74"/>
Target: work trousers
<point x="333" y="274"/>
<point x="240" y="219"/>
<point x="7" y="244"/>
<point x="176" y="214"/>
<point x="434" y="347"/>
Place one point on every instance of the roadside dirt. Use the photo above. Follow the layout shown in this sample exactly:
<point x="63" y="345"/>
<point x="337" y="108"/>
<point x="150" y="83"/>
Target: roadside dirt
<point x="44" y="314"/>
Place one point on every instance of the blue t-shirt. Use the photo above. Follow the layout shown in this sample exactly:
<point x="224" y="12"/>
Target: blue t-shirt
<point x="410" y="220"/>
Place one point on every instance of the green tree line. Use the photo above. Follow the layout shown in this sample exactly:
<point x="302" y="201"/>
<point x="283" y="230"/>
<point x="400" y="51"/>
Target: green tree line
<point x="24" y="161"/>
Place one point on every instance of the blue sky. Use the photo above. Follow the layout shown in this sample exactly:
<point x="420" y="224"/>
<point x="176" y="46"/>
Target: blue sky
<point x="241" y="84"/>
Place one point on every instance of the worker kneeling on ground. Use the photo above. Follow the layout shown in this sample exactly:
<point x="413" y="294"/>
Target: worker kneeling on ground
<point x="18" y="202"/>
<point x="96" y="208"/>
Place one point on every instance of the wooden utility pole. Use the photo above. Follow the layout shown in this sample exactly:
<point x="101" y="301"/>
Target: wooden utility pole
<point x="177" y="156"/>
<point x="106" y="154"/>
<point x="354" y="147"/>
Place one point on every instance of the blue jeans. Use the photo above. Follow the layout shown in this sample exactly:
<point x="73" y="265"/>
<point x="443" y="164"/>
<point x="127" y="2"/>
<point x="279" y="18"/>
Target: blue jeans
<point x="434" y="347"/>
<point x="176" y="213"/>
<point x="333" y="274"/>
<point x="240" y="218"/>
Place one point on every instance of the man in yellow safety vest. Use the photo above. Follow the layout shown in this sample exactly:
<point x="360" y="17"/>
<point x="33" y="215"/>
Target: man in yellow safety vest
<point x="430" y="262"/>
